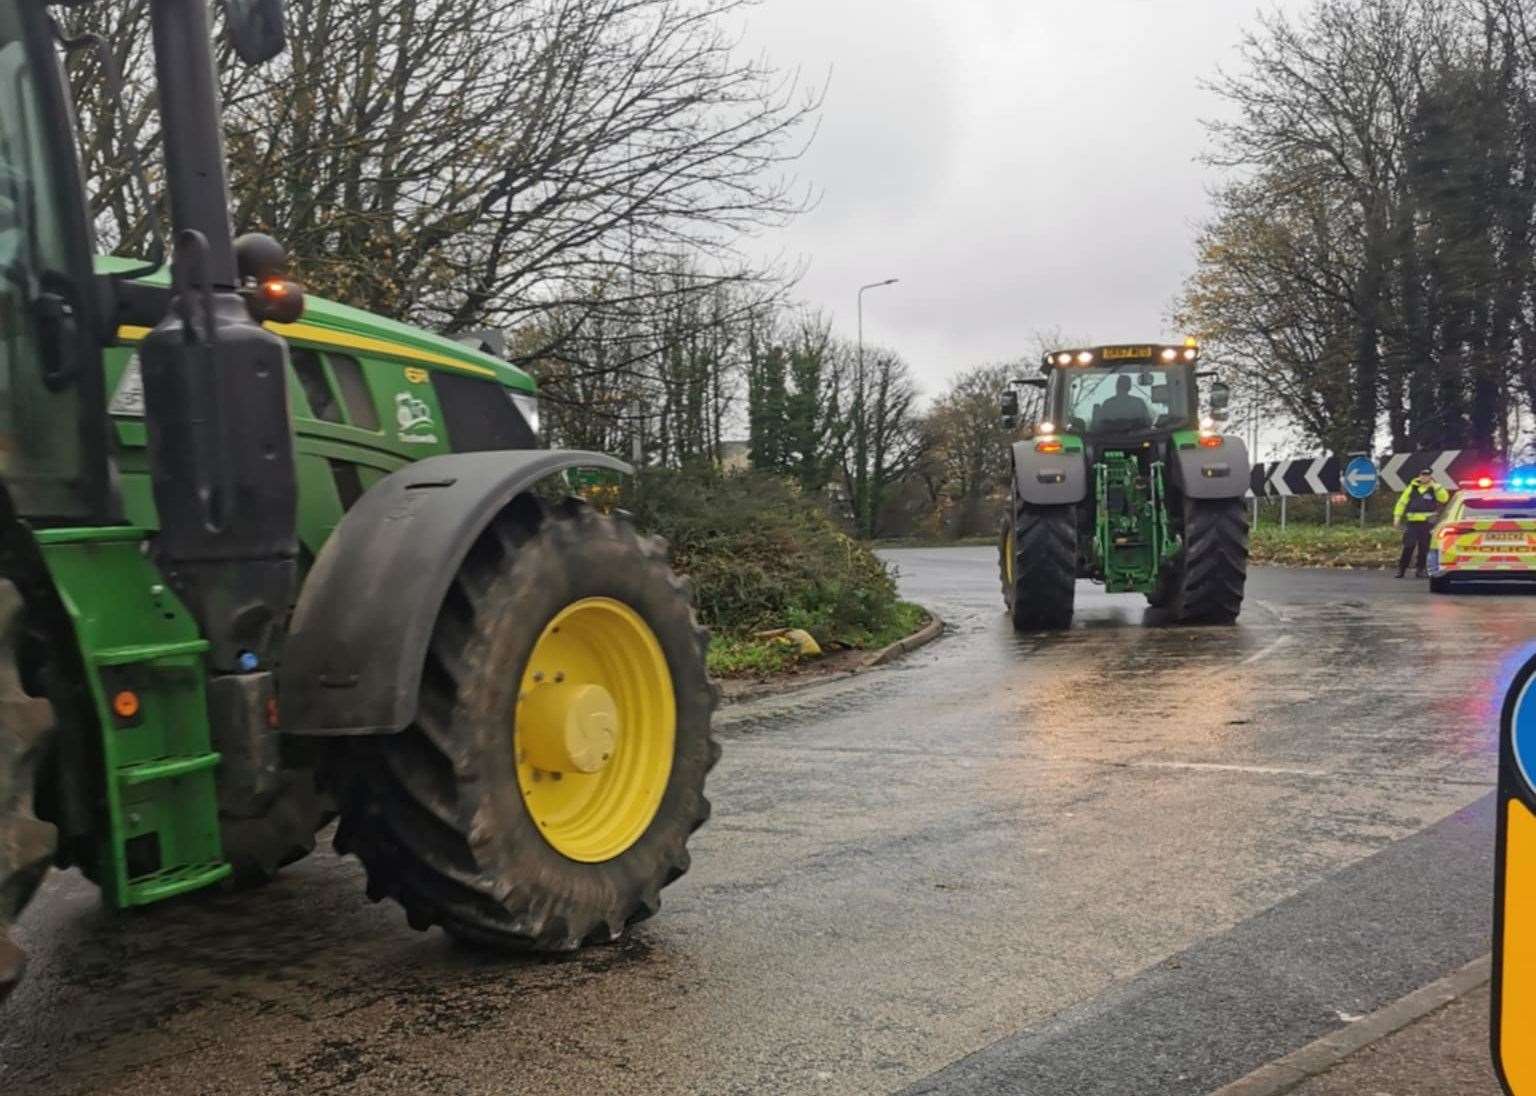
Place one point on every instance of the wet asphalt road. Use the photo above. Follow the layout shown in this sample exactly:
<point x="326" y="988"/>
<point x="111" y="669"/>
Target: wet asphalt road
<point x="1126" y="859"/>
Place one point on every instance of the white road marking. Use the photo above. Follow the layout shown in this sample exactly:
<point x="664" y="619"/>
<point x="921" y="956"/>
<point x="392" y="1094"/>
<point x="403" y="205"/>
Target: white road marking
<point x="1211" y="766"/>
<point x="1263" y="652"/>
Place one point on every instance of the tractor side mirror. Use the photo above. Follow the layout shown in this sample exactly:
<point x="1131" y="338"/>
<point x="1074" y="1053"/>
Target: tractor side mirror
<point x="1010" y="408"/>
<point x="255" y="29"/>
<point x="1221" y="396"/>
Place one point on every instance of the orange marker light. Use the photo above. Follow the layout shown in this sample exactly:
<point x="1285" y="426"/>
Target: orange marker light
<point x="126" y="704"/>
<point x="275" y="288"/>
<point x="1211" y="441"/>
<point x="1049" y="445"/>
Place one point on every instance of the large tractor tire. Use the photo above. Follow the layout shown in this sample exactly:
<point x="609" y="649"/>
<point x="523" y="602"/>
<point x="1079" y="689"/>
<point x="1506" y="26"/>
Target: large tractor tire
<point x="1203" y="583"/>
<point x="27" y="843"/>
<point x="1037" y="561"/>
<point x="546" y="792"/>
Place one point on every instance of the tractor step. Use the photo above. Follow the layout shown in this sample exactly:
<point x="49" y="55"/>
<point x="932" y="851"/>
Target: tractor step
<point x="143" y="658"/>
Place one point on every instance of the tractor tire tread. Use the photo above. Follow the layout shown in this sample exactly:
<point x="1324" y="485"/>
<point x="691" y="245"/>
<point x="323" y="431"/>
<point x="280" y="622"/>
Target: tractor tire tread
<point x="1042" y="592"/>
<point x="27" y="843"/>
<point x="1214" y="569"/>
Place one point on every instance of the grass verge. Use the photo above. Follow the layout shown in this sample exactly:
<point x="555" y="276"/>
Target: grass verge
<point x="932" y="542"/>
<point x="1325" y="546"/>
<point x="1297" y="545"/>
<point x="748" y="656"/>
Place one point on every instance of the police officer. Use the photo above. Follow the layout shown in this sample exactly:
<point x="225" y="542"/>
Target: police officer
<point x="1416" y="510"/>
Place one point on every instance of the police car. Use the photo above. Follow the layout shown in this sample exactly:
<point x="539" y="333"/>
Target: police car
<point x="1486" y="534"/>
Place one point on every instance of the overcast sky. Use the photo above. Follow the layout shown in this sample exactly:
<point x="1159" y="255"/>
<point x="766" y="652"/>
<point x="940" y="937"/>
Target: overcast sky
<point x="1020" y="165"/>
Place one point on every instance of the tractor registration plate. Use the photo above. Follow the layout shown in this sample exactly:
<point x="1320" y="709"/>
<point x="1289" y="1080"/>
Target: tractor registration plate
<point x="1126" y="353"/>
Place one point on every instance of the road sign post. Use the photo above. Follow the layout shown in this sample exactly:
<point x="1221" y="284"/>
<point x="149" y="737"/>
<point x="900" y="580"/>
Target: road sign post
<point x="1514" y="906"/>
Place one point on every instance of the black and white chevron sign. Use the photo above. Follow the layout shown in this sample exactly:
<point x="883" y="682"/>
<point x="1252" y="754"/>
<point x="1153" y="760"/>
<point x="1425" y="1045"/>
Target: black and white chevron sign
<point x="1303" y="476"/>
<point x="1320" y="475"/>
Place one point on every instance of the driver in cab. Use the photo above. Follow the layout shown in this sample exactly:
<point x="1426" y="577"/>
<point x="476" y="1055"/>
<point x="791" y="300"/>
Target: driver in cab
<point x="1122" y="411"/>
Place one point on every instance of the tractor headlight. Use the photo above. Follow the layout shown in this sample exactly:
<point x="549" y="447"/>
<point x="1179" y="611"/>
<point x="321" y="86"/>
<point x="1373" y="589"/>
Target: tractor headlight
<point x="527" y="405"/>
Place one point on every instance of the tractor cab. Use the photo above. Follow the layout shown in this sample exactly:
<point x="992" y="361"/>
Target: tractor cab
<point x="1118" y="400"/>
<point x="1124" y="393"/>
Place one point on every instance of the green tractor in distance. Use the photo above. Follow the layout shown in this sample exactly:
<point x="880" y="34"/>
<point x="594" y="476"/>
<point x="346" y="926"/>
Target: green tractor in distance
<point x="1122" y="481"/>
<point x="262" y="564"/>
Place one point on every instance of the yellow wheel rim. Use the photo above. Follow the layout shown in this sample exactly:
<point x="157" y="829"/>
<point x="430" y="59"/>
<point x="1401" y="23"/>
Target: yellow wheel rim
<point x="1008" y="556"/>
<point x="595" y="729"/>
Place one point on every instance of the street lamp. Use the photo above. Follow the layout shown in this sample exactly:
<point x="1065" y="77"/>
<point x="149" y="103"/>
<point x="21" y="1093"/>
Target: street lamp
<point x="860" y="435"/>
<point x="862" y="288"/>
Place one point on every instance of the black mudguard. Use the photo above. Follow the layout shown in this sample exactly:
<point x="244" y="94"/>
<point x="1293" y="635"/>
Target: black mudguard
<point x="1219" y="473"/>
<point x="1049" y="479"/>
<point x="353" y="658"/>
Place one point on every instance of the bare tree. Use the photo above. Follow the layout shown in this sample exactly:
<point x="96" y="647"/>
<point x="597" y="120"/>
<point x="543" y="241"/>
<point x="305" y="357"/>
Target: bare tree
<point x="883" y="439"/>
<point x="466" y="163"/>
<point x="664" y="383"/>
<point x="1323" y="118"/>
<point x="969" y="443"/>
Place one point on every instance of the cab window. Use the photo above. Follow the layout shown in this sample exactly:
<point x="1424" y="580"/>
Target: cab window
<point x="1126" y="399"/>
<point x="52" y="467"/>
<point x="310" y="371"/>
<point x="362" y="412"/>
<point x="335" y="388"/>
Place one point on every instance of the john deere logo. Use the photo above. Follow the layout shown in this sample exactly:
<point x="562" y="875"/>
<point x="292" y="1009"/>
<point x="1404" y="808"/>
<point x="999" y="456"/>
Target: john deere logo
<point x="415" y="375"/>
<point x="413" y="420"/>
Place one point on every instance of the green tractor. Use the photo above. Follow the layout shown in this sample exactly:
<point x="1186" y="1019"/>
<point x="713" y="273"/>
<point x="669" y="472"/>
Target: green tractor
<point x="267" y="562"/>
<point x="1123" y="482"/>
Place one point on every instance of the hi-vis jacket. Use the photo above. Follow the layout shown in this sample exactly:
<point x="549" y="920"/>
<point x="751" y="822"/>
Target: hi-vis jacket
<point x="1420" y="503"/>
